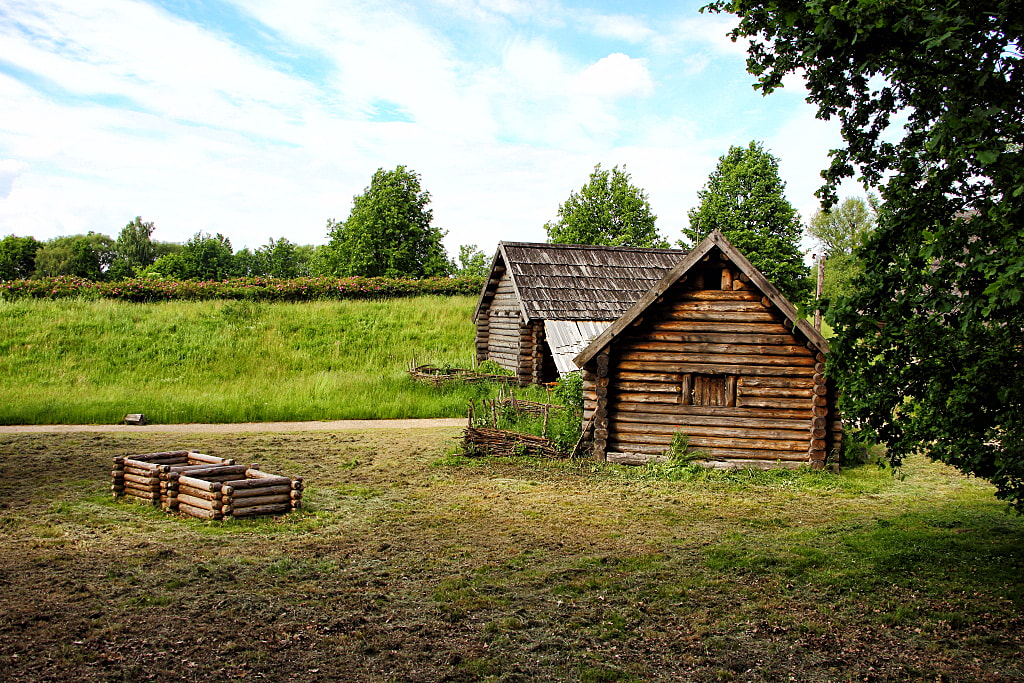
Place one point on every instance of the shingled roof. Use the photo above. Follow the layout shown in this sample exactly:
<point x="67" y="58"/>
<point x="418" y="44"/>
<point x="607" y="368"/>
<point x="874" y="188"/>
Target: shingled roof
<point x="576" y="281"/>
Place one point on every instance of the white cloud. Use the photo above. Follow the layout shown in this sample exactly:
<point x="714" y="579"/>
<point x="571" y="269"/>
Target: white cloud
<point x="10" y="169"/>
<point x="616" y="75"/>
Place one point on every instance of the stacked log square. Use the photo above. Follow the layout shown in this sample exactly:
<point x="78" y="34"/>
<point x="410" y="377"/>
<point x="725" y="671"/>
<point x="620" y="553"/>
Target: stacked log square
<point x="260" y="493"/>
<point x="204" y="486"/>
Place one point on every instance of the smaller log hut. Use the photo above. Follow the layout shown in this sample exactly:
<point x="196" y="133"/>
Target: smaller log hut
<point x="713" y="350"/>
<point x="543" y="303"/>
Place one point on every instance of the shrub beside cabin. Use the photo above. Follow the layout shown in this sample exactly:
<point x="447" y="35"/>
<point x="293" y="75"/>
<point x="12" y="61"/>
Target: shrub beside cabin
<point x="543" y="303"/>
<point x="714" y="351"/>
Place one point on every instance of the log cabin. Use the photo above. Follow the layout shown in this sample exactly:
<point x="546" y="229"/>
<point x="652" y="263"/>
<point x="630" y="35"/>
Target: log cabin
<point x="542" y="303"/>
<point x="714" y="351"/>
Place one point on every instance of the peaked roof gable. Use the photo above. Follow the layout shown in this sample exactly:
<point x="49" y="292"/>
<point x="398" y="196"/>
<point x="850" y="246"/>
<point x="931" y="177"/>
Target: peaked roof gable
<point x="715" y="239"/>
<point x="576" y="281"/>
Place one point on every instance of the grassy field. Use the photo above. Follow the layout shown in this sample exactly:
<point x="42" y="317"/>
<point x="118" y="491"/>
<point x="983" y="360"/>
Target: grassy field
<point x="412" y="564"/>
<point x="77" y="361"/>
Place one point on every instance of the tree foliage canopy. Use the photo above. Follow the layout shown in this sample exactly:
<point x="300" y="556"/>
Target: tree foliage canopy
<point x="472" y="261"/>
<point x="18" y="257"/>
<point x="134" y="244"/>
<point x="930" y="99"/>
<point x="840" y="231"/>
<point x="388" y="233"/>
<point x="745" y="199"/>
<point x="607" y="210"/>
<point x="87" y="256"/>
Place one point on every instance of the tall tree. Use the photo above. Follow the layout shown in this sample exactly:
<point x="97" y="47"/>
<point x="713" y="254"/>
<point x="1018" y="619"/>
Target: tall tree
<point x="610" y="210"/>
<point x="928" y="354"/>
<point x="388" y="233"/>
<point x="839" y="231"/>
<point x="745" y="199"/>
<point x="134" y="244"/>
<point x="18" y="257"/>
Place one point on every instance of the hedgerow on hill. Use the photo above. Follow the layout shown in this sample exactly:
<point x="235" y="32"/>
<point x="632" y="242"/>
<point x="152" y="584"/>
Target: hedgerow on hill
<point x="250" y="288"/>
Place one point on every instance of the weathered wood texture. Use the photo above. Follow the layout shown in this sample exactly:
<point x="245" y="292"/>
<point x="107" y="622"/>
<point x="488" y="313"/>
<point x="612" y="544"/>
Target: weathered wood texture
<point x="723" y="366"/>
<point x="530" y="283"/>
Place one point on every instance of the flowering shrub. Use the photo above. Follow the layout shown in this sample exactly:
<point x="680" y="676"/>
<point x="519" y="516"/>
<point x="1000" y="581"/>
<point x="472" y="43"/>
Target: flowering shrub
<point x="251" y="288"/>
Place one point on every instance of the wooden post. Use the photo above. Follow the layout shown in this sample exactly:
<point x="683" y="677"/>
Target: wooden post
<point x="544" y="431"/>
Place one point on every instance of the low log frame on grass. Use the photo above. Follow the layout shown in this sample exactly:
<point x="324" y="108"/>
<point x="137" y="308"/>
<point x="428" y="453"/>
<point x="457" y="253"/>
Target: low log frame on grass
<point x="713" y="351"/>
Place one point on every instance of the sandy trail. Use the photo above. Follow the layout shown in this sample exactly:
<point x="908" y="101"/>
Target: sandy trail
<point x="195" y="428"/>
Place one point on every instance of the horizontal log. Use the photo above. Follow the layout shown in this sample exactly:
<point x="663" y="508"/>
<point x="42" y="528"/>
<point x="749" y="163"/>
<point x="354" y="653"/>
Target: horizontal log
<point x="187" y="469"/>
<point x="710" y="420"/>
<point x="158" y="456"/>
<point x="216" y="471"/>
<point x="143" y="481"/>
<point x="621" y="405"/>
<point x="664" y="377"/>
<point x="260" y="482"/>
<point x="198" y="458"/>
<point x="782" y="392"/>
<point x="690" y="430"/>
<point x="254" y="472"/>
<point x="199" y="483"/>
<point x="201" y="513"/>
<point x="795" y="382"/>
<point x="242" y="503"/>
<point x="140" y="487"/>
<point x="684" y="337"/>
<point x="718" y="358"/>
<point x="687" y="305"/>
<point x="718" y="326"/>
<point x="142" y="469"/>
<point x="743" y="401"/>
<point x="240" y="493"/>
<point x="648" y="387"/>
<point x="262" y="510"/>
<point x="704" y="348"/>
<point x="745" y="464"/>
<point x="152" y="496"/>
<point x="634" y="458"/>
<point x="201" y="503"/>
<point x="642" y="397"/>
<point x="731" y="454"/>
<point x="699" y="441"/>
<point x="759" y="315"/>
<point x="714" y="368"/>
<point x="198" y="493"/>
<point x="717" y="295"/>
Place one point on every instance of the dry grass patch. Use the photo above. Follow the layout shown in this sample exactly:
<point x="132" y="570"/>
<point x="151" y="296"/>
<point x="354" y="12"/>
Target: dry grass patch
<point x="413" y="564"/>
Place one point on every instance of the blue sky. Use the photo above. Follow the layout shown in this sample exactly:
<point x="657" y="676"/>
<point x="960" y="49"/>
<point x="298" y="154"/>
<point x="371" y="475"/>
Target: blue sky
<point x="264" y="118"/>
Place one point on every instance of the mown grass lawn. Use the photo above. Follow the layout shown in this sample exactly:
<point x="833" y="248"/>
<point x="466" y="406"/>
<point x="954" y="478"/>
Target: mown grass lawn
<point x="413" y="564"/>
<point x="78" y="361"/>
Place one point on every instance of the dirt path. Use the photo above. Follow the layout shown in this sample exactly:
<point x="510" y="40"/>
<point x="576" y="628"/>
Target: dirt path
<point x="335" y="425"/>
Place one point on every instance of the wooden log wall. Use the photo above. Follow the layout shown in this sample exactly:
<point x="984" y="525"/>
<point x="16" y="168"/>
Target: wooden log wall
<point x="722" y="365"/>
<point x="505" y="331"/>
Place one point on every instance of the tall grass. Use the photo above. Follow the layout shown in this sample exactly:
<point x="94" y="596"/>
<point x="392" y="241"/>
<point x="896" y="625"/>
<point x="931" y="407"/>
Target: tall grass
<point x="75" y="361"/>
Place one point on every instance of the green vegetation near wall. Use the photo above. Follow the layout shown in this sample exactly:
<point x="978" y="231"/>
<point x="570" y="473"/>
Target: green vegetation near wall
<point x="76" y="361"/>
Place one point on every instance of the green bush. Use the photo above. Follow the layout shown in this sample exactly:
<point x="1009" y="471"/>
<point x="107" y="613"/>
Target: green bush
<point x="149" y="289"/>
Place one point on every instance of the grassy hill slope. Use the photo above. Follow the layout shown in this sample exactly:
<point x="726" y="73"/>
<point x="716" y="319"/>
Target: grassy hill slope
<point x="94" y="361"/>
